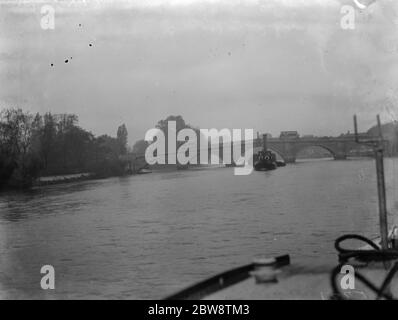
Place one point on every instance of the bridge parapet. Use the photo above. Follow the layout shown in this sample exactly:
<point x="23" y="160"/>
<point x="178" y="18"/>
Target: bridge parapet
<point x="339" y="147"/>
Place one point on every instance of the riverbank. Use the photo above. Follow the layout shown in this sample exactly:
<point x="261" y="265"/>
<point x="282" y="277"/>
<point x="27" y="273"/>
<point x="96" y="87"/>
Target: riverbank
<point x="50" y="180"/>
<point x="65" y="178"/>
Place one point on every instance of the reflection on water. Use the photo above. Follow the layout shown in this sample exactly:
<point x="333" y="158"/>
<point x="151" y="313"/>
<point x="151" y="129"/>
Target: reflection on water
<point x="149" y="235"/>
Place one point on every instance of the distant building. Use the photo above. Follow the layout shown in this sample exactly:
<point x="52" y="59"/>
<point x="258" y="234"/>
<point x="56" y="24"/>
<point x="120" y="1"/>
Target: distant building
<point x="261" y="136"/>
<point x="289" y="135"/>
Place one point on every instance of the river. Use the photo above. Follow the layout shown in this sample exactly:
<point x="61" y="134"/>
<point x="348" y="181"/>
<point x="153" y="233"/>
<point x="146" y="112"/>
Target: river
<point x="146" y="236"/>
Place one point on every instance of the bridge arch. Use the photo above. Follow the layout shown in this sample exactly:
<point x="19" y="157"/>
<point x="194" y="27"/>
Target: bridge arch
<point x="329" y="149"/>
<point x="279" y="154"/>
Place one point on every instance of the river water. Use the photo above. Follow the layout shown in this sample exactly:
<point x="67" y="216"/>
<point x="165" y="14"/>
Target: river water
<point x="147" y="236"/>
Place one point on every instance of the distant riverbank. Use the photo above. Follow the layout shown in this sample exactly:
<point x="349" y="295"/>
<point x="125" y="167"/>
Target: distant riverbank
<point x="54" y="179"/>
<point x="49" y="180"/>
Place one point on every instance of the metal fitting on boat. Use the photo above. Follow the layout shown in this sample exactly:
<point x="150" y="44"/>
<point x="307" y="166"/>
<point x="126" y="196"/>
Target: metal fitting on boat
<point x="265" y="274"/>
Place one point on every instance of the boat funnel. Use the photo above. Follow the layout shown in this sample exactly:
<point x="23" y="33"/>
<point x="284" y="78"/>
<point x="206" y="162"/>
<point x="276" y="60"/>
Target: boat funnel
<point x="265" y="147"/>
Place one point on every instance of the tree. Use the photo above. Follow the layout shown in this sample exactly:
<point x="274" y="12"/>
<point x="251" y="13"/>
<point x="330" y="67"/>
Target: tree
<point x="140" y="147"/>
<point x="389" y="131"/>
<point x="66" y="123"/>
<point x="77" y="147"/>
<point x="37" y="128"/>
<point x="17" y="158"/>
<point x="180" y="124"/>
<point x="24" y="124"/>
<point x="108" y="147"/>
<point x="48" y="137"/>
<point x="8" y="144"/>
<point x="54" y="144"/>
<point x="122" y="138"/>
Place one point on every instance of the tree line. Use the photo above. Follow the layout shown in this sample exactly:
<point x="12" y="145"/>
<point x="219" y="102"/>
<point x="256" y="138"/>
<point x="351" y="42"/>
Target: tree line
<point x="33" y="145"/>
<point x="390" y="132"/>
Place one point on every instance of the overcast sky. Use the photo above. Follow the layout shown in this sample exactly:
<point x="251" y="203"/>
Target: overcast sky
<point x="268" y="65"/>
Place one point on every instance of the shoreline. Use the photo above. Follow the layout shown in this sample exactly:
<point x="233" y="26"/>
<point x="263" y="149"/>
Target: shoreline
<point x="66" y="178"/>
<point x="85" y="176"/>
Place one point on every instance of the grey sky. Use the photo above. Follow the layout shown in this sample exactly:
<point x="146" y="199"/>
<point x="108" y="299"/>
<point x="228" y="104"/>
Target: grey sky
<point x="268" y="65"/>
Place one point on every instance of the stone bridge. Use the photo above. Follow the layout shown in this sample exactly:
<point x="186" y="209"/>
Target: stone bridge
<point x="287" y="148"/>
<point x="339" y="147"/>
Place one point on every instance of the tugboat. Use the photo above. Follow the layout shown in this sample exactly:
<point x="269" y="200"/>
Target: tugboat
<point x="373" y="266"/>
<point x="265" y="159"/>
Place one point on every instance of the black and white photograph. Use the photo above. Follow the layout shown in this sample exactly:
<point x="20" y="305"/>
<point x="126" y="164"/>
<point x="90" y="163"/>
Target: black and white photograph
<point x="209" y="150"/>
